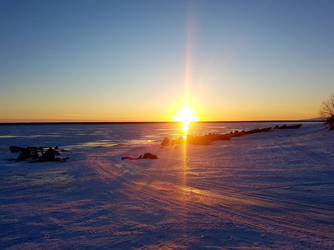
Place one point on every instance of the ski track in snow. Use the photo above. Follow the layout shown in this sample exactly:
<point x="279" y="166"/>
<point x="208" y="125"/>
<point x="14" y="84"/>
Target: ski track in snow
<point x="270" y="190"/>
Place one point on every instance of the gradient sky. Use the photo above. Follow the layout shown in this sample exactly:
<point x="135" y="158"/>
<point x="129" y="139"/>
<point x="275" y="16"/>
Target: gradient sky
<point x="133" y="60"/>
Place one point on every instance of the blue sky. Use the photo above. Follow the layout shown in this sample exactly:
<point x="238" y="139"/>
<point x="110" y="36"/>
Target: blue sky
<point x="127" y="60"/>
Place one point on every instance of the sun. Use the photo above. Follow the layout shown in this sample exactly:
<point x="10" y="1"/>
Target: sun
<point x="185" y="116"/>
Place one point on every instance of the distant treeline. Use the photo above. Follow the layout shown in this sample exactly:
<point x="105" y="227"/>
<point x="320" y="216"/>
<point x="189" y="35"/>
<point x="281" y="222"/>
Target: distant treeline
<point x="211" y="137"/>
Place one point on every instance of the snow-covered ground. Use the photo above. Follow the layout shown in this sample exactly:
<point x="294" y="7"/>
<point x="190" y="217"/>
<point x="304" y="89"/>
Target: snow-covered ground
<point x="268" y="190"/>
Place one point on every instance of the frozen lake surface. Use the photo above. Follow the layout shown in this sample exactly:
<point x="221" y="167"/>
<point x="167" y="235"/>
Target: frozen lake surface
<point x="268" y="190"/>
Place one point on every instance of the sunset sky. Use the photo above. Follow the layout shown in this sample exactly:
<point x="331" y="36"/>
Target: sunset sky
<point x="137" y="60"/>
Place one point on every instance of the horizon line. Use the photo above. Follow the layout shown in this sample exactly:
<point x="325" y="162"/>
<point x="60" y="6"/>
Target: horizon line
<point x="149" y="122"/>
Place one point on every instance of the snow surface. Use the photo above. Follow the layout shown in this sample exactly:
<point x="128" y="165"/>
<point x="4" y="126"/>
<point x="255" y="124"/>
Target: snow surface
<point x="269" y="190"/>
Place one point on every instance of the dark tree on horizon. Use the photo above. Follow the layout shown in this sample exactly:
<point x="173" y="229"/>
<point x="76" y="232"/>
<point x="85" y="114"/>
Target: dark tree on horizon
<point x="327" y="112"/>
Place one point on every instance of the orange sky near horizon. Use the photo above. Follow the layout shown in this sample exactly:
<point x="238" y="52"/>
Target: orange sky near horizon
<point x="223" y="111"/>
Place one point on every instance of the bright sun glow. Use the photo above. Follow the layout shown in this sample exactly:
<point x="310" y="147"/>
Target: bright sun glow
<point x="185" y="116"/>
